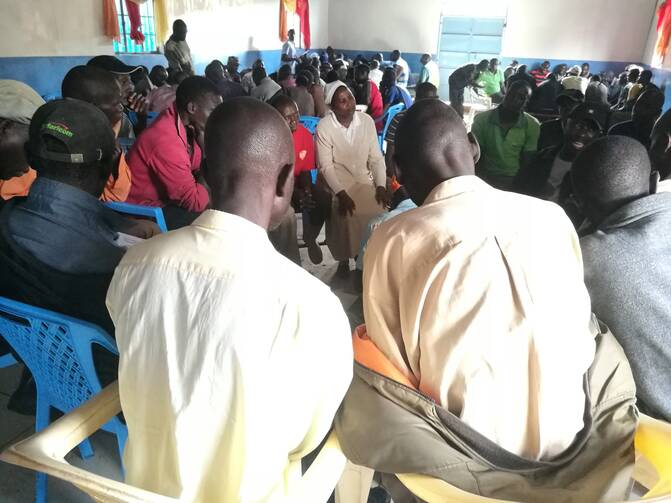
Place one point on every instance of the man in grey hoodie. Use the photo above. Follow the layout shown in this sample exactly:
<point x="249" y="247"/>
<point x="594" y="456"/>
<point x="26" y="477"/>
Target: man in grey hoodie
<point x="626" y="259"/>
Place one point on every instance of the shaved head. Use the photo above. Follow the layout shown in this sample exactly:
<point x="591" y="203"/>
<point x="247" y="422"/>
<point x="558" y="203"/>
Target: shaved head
<point x="610" y="173"/>
<point x="250" y="157"/>
<point x="432" y="146"/>
<point x="96" y="86"/>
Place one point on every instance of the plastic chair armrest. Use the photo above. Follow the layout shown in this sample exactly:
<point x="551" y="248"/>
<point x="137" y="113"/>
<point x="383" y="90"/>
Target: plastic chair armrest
<point x="45" y="451"/>
<point x="321" y="478"/>
<point x="653" y="442"/>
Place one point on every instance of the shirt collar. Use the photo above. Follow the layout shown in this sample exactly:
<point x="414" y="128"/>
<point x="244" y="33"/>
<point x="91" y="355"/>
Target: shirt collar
<point x="228" y="222"/>
<point x="638" y="209"/>
<point x="179" y="124"/>
<point x="354" y="124"/>
<point x="456" y="186"/>
<point x="494" y="118"/>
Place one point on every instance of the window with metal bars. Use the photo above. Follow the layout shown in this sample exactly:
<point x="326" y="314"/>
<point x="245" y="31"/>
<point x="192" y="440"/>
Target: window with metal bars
<point x="128" y="45"/>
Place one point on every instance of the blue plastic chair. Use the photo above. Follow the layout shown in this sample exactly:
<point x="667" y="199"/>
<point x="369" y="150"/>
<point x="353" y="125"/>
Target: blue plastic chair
<point x="310" y="123"/>
<point x="141" y="211"/>
<point x="151" y="117"/>
<point x="51" y="97"/>
<point x="7" y="360"/>
<point x="387" y="117"/>
<point x="57" y="351"/>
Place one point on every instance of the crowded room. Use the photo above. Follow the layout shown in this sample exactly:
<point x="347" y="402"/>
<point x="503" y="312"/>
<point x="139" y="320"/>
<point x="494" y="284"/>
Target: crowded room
<point x="335" y="251"/>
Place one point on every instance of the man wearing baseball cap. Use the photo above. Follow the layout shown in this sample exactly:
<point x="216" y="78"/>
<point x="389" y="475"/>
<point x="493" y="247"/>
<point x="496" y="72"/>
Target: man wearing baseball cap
<point x="552" y="132"/>
<point x="543" y="176"/>
<point x="18" y="103"/>
<point x="59" y="245"/>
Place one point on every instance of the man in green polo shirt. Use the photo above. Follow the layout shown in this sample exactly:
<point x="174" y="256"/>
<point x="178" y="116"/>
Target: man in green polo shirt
<point x="507" y="135"/>
<point x="492" y="81"/>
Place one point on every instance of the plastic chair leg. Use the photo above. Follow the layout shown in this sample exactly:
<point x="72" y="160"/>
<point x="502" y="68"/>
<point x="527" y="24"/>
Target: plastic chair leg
<point x="86" y="449"/>
<point x="42" y="418"/>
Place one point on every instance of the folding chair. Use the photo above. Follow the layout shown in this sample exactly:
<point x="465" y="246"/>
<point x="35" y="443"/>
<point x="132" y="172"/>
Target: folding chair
<point x="57" y="349"/>
<point x="310" y="123"/>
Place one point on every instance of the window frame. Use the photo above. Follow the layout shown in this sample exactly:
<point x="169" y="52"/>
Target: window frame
<point x="124" y="31"/>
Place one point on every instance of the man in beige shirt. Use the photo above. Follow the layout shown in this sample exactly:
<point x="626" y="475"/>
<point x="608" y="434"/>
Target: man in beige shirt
<point x="177" y="51"/>
<point x="477" y="296"/>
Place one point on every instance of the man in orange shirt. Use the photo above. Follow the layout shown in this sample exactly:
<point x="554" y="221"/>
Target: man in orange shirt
<point x="18" y="103"/>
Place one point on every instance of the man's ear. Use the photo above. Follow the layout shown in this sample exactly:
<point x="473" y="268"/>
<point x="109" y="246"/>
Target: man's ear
<point x="285" y="186"/>
<point x="654" y="181"/>
<point x="475" y="147"/>
<point x="191" y="107"/>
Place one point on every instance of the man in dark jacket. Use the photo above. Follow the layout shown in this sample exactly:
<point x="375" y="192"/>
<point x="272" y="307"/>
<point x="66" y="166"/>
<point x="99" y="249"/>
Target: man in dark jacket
<point x="543" y="176"/>
<point x="552" y="132"/>
<point x="626" y="260"/>
<point x="544" y="97"/>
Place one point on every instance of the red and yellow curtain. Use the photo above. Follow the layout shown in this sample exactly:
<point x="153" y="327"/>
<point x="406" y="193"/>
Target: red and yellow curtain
<point x="300" y="8"/>
<point x="111" y="21"/>
<point x="663" y="33"/>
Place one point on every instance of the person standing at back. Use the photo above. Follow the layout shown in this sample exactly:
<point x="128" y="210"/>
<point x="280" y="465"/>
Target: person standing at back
<point x="289" y="55"/>
<point x="177" y="51"/>
<point x="508" y="137"/>
<point x="235" y="369"/>
<point x="627" y="257"/>
<point x="398" y="60"/>
<point x="460" y="79"/>
<point x="430" y="71"/>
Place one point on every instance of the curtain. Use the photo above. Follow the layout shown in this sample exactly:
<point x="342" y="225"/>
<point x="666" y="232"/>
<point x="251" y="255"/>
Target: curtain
<point x="302" y="9"/>
<point x="663" y="33"/>
<point x="110" y="20"/>
<point x="161" y="21"/>
<point x="133" y="11"/>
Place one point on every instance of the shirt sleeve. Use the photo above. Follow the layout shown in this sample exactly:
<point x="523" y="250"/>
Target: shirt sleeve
<point x="533" y="133"/>
<point x="375" y="101"/>
<point x="117" y="189"/>
<point x="375" y="158"/>
<point x="173" y="169"/>
<point x="325" y="160"/>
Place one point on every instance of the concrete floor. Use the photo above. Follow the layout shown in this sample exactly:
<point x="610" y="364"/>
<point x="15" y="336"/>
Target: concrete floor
<point x="17" y="485"/>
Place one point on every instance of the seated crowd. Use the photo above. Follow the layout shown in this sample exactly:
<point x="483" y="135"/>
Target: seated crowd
<point x="511" y="274"/>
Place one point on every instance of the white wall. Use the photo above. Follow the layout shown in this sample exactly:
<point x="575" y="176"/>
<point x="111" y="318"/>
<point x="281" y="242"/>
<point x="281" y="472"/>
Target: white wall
<point x="216" y="27"/>
<point x="52" y="28"/>
<point x="408" y="25"/>
<point x="597" y="30"/>
<point x="219" y="27"/>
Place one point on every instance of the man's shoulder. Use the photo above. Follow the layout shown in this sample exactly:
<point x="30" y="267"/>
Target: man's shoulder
<point x="532" y="121"/>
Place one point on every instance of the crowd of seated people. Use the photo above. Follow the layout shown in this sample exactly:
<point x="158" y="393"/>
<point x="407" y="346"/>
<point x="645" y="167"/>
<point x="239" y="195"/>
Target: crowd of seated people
<point x="510" y="273"/>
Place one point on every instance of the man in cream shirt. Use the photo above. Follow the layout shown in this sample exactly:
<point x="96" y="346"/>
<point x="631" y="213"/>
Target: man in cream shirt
<point x="233" y="360"/>
<point x="477" y="296"/>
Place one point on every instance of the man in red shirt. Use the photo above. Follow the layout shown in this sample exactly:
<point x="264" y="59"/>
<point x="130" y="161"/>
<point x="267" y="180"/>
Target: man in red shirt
<point x="165" y="160"/>
<point x="306" y="196"/>
<point x="541" y="73"/>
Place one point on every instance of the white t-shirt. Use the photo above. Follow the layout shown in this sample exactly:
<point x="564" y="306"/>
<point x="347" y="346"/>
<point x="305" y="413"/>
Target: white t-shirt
<point x="290" y="50"/>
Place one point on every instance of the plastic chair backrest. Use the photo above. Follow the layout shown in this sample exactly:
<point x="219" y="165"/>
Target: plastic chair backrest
<point x="653" y="445"/>
<point x="310" y="123"/>
<point x="51" y="97"/>
<point x="151" y="117"/>
<point x="391" y="113"/>
<point x="141" y="211"/>
<point x="57" y="350"/>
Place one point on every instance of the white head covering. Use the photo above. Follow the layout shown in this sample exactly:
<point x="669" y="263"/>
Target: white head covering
<point x="18" y="101"/>
<point x="330" y="90"/>
<point x="575" y="70"/>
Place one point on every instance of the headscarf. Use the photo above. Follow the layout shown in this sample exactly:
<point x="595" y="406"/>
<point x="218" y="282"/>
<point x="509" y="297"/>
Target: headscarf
<point x="18" y="101"/>
<point x="331" y="89"/>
